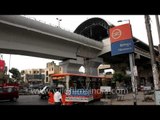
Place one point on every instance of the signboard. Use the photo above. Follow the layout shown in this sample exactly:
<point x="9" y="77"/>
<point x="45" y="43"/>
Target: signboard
<point x="121" y="40"/>
<point x="79" y="95"/>
<point x="147" y="88"/>
<point x="157" y="97"/>
<point x="135" y="71"/>
<point x="105" y="88"/>
<point x="122" y="32"/>
<point x="122" y="47"/>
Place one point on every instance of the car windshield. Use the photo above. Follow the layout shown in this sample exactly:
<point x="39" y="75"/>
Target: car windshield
<point x="10" y="89"/>
<point x="7" y="89"/>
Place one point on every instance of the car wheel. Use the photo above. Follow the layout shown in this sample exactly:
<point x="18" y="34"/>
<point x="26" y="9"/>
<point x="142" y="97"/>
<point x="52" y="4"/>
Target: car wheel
<point x="14" y="99"/>
<point x="41" y="97"/>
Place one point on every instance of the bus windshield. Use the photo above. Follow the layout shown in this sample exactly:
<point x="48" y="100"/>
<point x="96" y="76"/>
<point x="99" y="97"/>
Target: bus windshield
<point x="59" y="82"/>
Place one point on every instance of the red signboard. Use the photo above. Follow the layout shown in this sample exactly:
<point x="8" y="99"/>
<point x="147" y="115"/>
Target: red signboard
<point x="2" y="65"/>
<point x="122" y="32"/>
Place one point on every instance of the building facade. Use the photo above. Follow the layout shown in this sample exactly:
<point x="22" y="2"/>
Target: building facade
<point x="51" y="68"/>
<point x="33" y="76"/>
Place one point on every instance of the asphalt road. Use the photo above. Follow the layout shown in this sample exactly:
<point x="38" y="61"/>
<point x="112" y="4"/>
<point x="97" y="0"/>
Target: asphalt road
<point x="26" y="100"/>
<point x="34" y="100"/>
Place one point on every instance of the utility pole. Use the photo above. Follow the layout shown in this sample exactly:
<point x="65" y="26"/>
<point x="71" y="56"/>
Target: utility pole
<point x="153" y="61"/>
<point x="158" y="28"/>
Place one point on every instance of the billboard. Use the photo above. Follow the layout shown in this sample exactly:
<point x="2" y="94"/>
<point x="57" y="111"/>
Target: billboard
<point x="121" y="40"/>
<point x="2" y="65"/>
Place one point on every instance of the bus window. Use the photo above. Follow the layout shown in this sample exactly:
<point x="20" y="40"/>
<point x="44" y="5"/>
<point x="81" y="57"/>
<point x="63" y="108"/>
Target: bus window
<point x="59" y="82"/>
<point x="95" y="83"/>
<point x="81" y="83"/>
<point x="77" y="82"/>
<point x="88" y="81"/>
<point x="73" y="82"/>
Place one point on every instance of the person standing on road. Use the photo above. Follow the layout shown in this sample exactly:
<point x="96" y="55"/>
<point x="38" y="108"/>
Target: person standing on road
<point x="51" y="97"/>
<point x="57" y="97"/>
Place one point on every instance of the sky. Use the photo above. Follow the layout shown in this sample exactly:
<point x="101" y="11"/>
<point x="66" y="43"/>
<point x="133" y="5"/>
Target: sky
<point x="70" y="23"/>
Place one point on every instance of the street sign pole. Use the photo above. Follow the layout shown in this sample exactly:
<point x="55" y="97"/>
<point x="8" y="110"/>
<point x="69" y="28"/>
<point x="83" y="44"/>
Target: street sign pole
<point x="133" y="79"/>
<point x="117" y="48"/>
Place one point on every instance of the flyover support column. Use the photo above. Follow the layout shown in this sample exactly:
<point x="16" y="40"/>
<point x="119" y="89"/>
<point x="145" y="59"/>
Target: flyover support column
<point x="72" y="66"/>
<point x="91" y="66"/>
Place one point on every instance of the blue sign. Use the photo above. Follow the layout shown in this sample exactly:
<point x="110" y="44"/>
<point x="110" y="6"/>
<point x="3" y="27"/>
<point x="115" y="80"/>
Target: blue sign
<point x="122" y="47"/>
<point x="78" y="92"/>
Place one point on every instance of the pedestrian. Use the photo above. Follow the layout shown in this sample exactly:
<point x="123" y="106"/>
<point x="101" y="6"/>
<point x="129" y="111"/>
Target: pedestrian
<point x="51" y="97"/>
<point x="57" y="97"/>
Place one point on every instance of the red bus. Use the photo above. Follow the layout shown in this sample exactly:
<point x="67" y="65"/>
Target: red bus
<point x="78" y="88"/>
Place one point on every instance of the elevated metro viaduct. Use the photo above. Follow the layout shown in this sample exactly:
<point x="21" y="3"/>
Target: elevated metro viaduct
<point x="24" y="36"/>
<point x="89" y="45"/>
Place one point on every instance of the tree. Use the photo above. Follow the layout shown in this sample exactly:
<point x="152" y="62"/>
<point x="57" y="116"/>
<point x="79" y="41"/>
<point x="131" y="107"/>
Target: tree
<point x="15" y="74"/>
<point x="118" y="76"/>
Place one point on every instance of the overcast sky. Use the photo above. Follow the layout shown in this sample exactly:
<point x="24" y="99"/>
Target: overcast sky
<point x="70" y="23"/>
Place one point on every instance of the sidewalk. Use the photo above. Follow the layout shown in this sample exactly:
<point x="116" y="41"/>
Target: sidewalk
<point x="128" y="100"/>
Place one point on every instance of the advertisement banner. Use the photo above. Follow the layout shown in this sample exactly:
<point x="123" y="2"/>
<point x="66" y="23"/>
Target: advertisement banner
<point x="2" y="65"/>
<point x="79" y="99"/>
<point x="79" y="95"/>
<point x="78" y="92"/>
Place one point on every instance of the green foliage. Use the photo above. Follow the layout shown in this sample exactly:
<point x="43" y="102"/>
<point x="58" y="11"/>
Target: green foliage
<point x="15" y="74"/>
<point x="127" y="78"/>
<point x="118" y="76"/>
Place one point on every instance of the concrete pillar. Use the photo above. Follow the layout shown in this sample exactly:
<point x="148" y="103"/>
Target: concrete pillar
<point x="91" y="66"/>
<point x="72" y="66"/>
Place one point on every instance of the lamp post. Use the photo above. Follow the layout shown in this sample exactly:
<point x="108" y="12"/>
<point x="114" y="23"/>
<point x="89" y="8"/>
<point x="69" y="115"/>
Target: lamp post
<point x="9" y="63"/>
<point x="133" y="71"/>
<point x="58" y="21"/>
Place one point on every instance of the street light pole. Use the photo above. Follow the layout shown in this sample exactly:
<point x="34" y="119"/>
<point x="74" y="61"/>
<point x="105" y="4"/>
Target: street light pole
<point x="132" y="68"/>
<point x="153" y="61"/>
<point x="58" y="21"/>
<point x="9" y="66"/>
